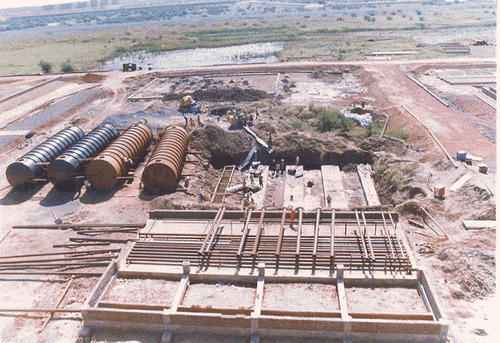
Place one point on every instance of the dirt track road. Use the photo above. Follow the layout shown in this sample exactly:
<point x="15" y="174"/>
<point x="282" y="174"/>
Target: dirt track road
<point x="454" y="130"/>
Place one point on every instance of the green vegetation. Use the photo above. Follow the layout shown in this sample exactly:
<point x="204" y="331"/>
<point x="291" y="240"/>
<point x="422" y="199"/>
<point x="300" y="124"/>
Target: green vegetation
<point x="319" y="119"/>
<point x="400" y="133"/>
<point x="66" y="67"/>
<point x="346" y="37"/>
<point x="331" y="120"/>
<point x="46" y="66"/>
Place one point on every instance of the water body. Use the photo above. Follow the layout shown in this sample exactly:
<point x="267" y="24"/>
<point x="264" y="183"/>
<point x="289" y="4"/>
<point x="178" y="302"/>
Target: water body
<point x="200" y="57"/>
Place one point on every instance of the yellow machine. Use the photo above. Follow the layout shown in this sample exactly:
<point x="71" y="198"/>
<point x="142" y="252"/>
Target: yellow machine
<point x="186" y="100"/>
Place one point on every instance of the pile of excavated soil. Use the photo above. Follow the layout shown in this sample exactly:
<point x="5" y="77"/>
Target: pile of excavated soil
<point x="221" y="147"/>
<point x="470" y="271"/>
<point x="314" y="152"/>
<point x="219" y="94"/>
<point x="91" y="78"/>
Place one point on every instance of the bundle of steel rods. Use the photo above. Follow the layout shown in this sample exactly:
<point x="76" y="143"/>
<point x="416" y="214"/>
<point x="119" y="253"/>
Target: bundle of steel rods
<point x="313" y="252"/>
<point x="58" y="261"/>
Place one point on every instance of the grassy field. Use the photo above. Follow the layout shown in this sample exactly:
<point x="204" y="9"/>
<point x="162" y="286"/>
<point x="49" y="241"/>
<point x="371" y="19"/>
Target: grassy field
<point x="346" y="37"/>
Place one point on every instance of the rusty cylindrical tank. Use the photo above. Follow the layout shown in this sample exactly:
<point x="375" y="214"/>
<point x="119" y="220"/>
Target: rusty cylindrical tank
<point x="103" y="171"/>
<point x="164" y="167"/>
<point x="26" y="168"/>
<point x="66" y="166"/>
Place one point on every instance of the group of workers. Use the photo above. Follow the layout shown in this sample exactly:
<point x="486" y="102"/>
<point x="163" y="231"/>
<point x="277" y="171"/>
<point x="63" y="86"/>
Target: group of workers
<point x="279" y="168"/>
<point x="191" y="122"/>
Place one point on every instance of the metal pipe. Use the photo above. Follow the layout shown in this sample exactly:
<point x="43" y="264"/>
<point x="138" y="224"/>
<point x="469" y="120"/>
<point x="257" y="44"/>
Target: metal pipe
<point x="27" y="167"/>
<point x="164" y="167"/>
<point x="104" y="171"/>
<point x="67" y="165"/>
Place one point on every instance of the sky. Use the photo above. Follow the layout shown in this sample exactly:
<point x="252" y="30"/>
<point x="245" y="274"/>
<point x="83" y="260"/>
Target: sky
<point x="24" y="3"/>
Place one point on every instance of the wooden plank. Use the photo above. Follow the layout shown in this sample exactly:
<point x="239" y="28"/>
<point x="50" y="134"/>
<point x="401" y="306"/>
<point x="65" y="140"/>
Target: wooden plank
<point x="259" y="231"/>
<point x="316" y="233"/>
<point x="284" y="313"/>
<point x="312" y="195"/>
<point x="433" y="136"/>
<point x="396" y="316"/>
<point x="101" y="284"/>
<point x="179" y="295"/>
<point x="388" y="236"/>
<point x="479" y="224"/>
<point x="421" y="85"/>
<point x="221" y="310"/>
<point x="367" y="236"/>
<point x="260" y="196"/>
<point x="209" y="233"/>
<point x="214" y="231"/>
<point x="299" y="233"/>
<point x="244" y="234"/>
<point x="294" y="187"/>
<point x="259" y="292"/>
<point x="132" y="306"/>
<point x="332" y="235"/>
<point x="365" y="252"/>
<point x="332" y="185"/>
<point x="367" y="185"/>
<point x="282" y="230"/>
<point x="460" y="182"/>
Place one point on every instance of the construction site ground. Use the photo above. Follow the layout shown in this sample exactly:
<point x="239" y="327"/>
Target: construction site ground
<point x="406" y="164"/>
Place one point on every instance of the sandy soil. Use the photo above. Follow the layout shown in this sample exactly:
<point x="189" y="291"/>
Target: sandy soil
<point x="219" y="295"/>
<point x="384" y="300"/>
<point x="387" y="85"/>
<point x="153" y="291"/>
<point x="300" y="297"/>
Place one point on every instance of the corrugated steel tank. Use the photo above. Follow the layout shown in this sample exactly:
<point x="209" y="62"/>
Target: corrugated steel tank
<point x="105" y="169"/>
<point x="26" y="168"/>
<point x="164" y="167"/>
<point x="66" y="166"/>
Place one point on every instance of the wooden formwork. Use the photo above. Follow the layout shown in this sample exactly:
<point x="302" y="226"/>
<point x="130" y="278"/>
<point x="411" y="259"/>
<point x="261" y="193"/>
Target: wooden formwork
<point x="429" y="326"/>
<point x="173" y="263"/>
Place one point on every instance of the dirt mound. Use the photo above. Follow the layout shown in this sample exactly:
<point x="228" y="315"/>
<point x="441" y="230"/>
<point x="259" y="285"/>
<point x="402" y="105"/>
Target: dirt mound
<point x="470" y="270"/>
<point x="218" y="94"/>
<point x="221" y="147"/>
<point x="92" y="78"/>
<point x="398" y="180"/>
<point x="314" y="152"/>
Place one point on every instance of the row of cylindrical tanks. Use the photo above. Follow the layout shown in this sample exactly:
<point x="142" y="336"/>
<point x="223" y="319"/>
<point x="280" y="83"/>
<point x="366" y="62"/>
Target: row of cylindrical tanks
<point x="104" y="157"/>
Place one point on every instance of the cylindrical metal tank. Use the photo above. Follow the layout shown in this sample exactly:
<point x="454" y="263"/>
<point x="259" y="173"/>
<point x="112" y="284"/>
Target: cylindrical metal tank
<point x="113" y="162"/>
<point x="26" y="168"/>
<point x="164" y="167"/>
<point x="66" y="166"/>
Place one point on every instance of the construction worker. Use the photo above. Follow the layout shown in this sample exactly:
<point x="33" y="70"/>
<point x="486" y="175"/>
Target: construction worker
<point x="292" y="217"/>
<point x="261" y="180"/>
<point x="297" y="161"/>
<point x="277" y="169"/>
<point x="202" y="194"/>
<point x="282" y="166"/>
<point x="199" y="121"/>
<point x="251" y="179"/>
<point x="329" y="200"/>
<point x="186" y="122"/>
<point x="191" y="122"/>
